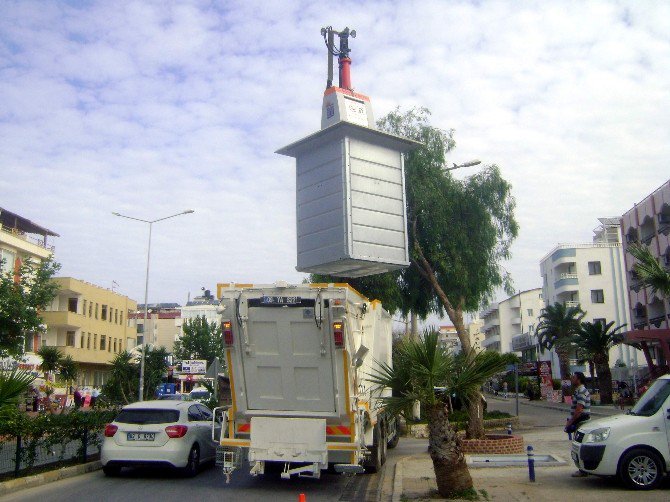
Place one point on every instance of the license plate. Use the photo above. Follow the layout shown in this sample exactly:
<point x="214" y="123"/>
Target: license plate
<point x="141" y="436"/>
<point x="281" y="300"/>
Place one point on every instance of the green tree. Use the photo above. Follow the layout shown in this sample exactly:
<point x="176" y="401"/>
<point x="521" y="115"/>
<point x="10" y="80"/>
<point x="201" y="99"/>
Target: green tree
<point x="22" y="296"/>
<point x="13" y="384"/>
<point x="51" y="359"/>
<point x="556" y="329"/>
<point x="650" y="271"/>
<point x="69" y="370"/>
<point x="201" y="340"/>
<point x="155" y="369"/>
<point x="421" y="371"/>
<point x="594" y="340"/>
<point x="123" y="382"/>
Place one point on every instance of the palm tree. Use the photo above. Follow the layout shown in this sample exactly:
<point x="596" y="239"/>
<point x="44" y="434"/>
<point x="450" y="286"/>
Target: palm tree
<point x="12" y="385"/>
<point x="649" y="270"/>
<point x="51" y="357"/>
<point x="594" y="340"/>
<point x="123" y="381"/>
<point x="424" y="371"/>
<point x="68" y="370"/>
<point x="558" y="324"/>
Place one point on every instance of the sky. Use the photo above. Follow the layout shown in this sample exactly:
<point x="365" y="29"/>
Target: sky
<point x="152" y="108"/>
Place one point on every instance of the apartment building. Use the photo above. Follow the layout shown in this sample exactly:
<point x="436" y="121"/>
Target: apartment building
<point x="89" y="323"/>
<point x="648" y="222"/>
<point x="476" y="334"/>
<point x="448" y="338"/>
<point x="162" y="326"/>
<point x="509" y="325"/>
<point x="592" y="276"/>
<point x="22" y="239"/>
<point x="205" y="306"/>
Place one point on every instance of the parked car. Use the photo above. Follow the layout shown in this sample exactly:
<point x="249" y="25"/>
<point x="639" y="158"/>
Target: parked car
<point x="169" y="433"/>
<point x="171" y="397"/>
<point x="199" y="394"/>
<point x="633" y="446"/>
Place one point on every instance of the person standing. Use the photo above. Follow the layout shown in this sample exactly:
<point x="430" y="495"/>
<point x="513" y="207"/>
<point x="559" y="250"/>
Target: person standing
<point x="94" y="396"/>
<point x="505" y="390"/>
<point x="580" y="410"/>
<point x="77" y="398"/>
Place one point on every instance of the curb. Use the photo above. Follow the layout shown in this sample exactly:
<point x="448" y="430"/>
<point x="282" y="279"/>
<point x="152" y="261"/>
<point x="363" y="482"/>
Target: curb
<point x="15" y="485"/>
<point x="594" y="411"/>
<point x="397" y="481"/>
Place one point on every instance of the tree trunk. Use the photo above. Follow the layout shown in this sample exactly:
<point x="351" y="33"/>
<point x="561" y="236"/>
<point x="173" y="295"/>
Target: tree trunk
<point x="444" y="445"/>
<point x="475" y="429"/>
<point x="592" y="371"/>
<point x="604" y="379"/>
<point x="414" y="329"/>
<point x="563" y="354"/>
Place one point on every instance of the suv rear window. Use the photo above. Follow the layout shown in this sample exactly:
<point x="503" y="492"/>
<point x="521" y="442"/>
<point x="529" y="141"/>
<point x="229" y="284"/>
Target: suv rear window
<point x="139" y="416"/>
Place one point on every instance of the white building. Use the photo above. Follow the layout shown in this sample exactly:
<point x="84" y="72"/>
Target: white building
<point x="448" y="338"/>
<point x="592" y="276"/>
<point x="509" y="325"/>
<point x="205" y="305"/>
<point x="476" y="334"/>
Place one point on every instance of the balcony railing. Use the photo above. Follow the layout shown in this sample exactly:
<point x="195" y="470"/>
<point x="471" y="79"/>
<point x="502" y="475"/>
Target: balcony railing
<point x="640" y="325"/>
<point x="571" y="304"/>
<point x="29" y="238"/>
<point x="657" y="320"/>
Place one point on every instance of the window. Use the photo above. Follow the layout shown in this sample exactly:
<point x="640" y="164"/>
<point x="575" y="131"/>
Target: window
<point x="95" y="341"/>
<point x="90" y="309"/>
<point x="70" y="339"/>
<point x="72" y="305"/>
<point x="103" y="342"/>
<point x="147" y="416"/>
<point x="96" y="310"/>
<point x="531" y="328"/>
<point x="597" y="296"/>
<point x="600" y="320"/>
<point x="594" y="268"/>
<point x="530" y="312"/>
<point x="8" y="260"/>
<point x="88" y="341"/>
<point x="103" y="314"/>
<point x="116" y="316"/>
<point x="83" y="310"/>
<point x="83" y="341"/>
<point x="194" y="414"/>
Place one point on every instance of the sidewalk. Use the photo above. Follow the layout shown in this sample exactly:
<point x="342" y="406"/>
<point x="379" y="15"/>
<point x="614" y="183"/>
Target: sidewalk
<point x="415" y="479"/>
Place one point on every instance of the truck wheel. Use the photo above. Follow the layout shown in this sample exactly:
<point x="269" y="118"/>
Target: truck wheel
<point x="393" y="442"/>
<point x="375" y="461"/>
<point x="641" y="469"/>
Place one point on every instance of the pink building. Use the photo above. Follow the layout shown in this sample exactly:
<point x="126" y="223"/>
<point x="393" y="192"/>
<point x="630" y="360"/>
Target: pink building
<point x="648" y="222"/>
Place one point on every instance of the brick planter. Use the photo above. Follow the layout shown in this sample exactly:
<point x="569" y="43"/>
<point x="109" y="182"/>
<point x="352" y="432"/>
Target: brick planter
<point x="494" y="444"/>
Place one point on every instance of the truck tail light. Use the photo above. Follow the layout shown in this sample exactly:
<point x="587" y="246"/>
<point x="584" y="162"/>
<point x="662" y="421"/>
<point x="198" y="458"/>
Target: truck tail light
<point x="227" y="330"/>
<point x="176" y="431"/>
<point x="110" y="430"/>
<point x="338" y="334"/>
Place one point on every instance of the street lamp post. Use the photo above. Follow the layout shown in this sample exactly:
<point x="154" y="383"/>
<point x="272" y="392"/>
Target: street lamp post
<point x="146" y="289"/>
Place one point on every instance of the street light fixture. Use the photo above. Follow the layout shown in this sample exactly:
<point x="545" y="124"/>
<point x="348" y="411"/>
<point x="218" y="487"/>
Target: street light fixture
<point x="146" y="289"/>
<point x="465" y="164"/>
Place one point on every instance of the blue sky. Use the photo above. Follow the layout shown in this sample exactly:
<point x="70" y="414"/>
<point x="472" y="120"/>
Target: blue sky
<point x="150" y="108"/>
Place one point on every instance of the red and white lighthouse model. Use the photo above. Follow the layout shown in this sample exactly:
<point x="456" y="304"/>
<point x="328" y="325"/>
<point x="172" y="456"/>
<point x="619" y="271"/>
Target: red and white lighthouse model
<point x="341" y="103"/>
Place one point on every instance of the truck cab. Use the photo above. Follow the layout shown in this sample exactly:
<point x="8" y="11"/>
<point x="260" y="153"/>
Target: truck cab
<point x="634" y="446"/>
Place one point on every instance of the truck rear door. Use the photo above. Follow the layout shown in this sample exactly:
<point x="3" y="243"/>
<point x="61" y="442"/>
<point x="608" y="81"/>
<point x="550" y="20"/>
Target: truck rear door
<point x="285" y="368"/>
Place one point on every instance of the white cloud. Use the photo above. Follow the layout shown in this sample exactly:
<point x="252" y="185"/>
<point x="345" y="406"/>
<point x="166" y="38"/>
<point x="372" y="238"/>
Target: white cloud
<point x="149" y="108"/>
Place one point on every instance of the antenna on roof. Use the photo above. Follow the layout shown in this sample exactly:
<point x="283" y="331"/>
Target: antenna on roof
<point x="342" y="53"/>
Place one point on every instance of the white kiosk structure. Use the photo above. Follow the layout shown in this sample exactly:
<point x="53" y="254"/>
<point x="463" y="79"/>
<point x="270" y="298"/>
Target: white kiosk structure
<point x="350" y="184"/>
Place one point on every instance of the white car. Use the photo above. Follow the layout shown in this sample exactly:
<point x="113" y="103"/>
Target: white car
<point x="175" y="434"/>
<point x="635" y="446"/>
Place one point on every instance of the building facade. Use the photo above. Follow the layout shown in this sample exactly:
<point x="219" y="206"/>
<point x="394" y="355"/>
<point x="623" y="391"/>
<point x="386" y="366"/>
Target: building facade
<point x="593" y="277"/>
<point x="162" y="326"/>
<point x="476" y="334"/>
<point x="20" y="240"/>
<point x="448" y="338"/>
<point x="201" y="306"/>
<point x="648" y="223"/>
<point x="91" y="324"/>
<point x="509" y="325"/>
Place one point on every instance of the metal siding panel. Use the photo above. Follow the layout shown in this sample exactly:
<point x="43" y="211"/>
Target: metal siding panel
<point x="366" y="250"/>
<point x="378" y="219"/>
<point x="317" y="174"/>
<point x="379" y="236"/>
<point x="332" y="186"/>
<point x="379" y="203"/>
<point x="317" y="207"/>
<point x="316" y="157"/>
<point x="374" y="153"/>
<point x="330" y="221"/>
<point x="319" y="240"/>
<point x="376" y="171"/>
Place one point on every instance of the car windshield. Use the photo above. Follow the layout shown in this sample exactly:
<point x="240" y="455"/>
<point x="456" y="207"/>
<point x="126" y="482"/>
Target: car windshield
<point x="652" y="400"/>
<point x="170" y="397"/>
<point x="146" y="416"/>
<point x="199" y="394"/>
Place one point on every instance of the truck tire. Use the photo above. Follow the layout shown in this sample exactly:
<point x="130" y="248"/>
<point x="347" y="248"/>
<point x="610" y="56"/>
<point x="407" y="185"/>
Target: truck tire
<point x="393" y="442"/>
<point x="376" y="458"/>
<point x="641" y="469"/>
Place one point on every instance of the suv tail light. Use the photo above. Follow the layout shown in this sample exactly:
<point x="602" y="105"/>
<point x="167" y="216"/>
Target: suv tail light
<point x="227" y="330"/>
<point x="110" y="430"/>
<point x="338" y="334"/>
<point x="176" y="431"/>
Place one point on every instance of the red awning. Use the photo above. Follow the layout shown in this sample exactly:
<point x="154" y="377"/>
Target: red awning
<point x="646" y="335"/>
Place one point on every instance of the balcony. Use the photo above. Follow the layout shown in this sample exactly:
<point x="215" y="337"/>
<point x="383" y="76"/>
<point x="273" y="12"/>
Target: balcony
<point x="566" y="282"/>
<point x="62" y="319"/>
<point x="657" y="320"/>
<point x="663" y="223"/>
<point x="640" y="324"/>
<point x="490" y="340"/>
<point x="516" y="320"/>
<point x="571" y="304"/>
<point x="91" y="356"/>
<point x="522" y="342"/>
<point x="27" y="243"/>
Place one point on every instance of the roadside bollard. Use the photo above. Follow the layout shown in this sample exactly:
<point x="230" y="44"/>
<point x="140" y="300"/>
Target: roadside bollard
<point x="531" y="464"/>
<point x="302" y="498"/>
<point x="509" y="429"/>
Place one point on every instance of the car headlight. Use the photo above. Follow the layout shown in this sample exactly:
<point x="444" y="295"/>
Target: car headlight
<point x="597" y="435"/>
